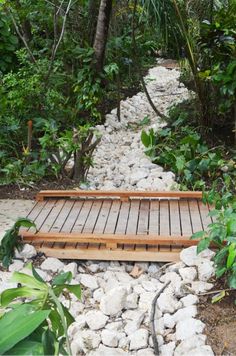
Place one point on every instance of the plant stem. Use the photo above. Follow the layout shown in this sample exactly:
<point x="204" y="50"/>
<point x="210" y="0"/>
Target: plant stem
<point x="63" y="319"/>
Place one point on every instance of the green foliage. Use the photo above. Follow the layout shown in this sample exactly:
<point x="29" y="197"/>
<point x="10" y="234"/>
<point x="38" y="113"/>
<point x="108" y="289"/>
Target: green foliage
<point x="44" y="330"/>
<point x="8" y="44"/>
<point x="11" y="240"/>
<point x="181" y="149"/>
<point x="222" y="234"/>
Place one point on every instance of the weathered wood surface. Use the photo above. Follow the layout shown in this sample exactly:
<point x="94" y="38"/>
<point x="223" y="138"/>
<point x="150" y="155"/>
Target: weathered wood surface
<point x="147" y="226"/>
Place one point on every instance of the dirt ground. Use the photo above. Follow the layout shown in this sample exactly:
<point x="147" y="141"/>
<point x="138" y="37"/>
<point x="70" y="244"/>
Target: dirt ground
<point x="220" y="320"/>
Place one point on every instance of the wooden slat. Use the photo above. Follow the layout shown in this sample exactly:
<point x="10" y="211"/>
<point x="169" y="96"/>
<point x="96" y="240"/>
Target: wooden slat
<point x="103" y="217"/>
<point x="195" y="216"/>
<point x="185" y="218"/>
<point x="53" y="215"/>
<point x="61" y="218"/>
<point x="164" y="223"/>
<point x="175" y="228"/>
<point x="143" y="217"/>
<point x="112" y="218"/>
<point x="82" y="218"/>
<point x="204" y="211"/>
<point x="35" y="211"/>
<point x="113" y="238"/>
<point x="154" y="221"/>
<point x="72" y="217"/>
<point x="92" y="217"/>
<point x="122" y="220"/>
<point x="39" y="221"/>
<point x="117" y="193"/>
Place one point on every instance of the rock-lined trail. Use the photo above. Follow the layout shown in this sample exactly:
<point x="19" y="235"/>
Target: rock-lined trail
<point x="113" y="316"/>
<point x="120" y="162"/>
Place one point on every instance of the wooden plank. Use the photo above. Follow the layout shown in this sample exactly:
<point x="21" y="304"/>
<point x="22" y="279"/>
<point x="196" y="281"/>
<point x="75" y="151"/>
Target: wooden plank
<point x="72" y="216"/>
<point x="92" y="217"/>
<point x="35" y="211"/>
<point x="103" y="217"/>
<point x="107" y="238"/>
<point x="195" y="216"/>
<point x="185" y="219"/>
<point x="123" y="218"/>
<point x="175" y="228"/>
<point x="82" y="218"/>
<point x="39" y="221"/>
<point x="204" y="211"/>
<point x="143" y="220"/>
<point x="112" y="218"/>
<point x="100" y="193"/>
<point x="154" y="221"/>
<point x="61" y="218"/>
<point x="51" y="218"/>
<point x="132" y="223"/>
<point x="164" y="223"/>
<point x="110" y="255"/>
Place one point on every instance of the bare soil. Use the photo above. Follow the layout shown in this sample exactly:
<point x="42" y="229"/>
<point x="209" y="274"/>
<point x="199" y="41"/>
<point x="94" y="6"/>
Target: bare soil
<point x="220" y="320"/>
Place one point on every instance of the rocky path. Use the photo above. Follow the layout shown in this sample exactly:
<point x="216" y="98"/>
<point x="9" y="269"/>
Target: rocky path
<point x="113" y="316"/>
<point x="120" y="162"/>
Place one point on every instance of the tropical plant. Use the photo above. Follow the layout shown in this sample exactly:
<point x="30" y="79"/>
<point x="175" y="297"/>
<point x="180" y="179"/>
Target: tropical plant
<point x="39" y="326"/>
<point x="11" y="240"/>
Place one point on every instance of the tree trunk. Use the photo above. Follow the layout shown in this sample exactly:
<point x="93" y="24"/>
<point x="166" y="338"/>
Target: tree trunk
<point x="93" y="8"/>
<point x="101" y="35"/>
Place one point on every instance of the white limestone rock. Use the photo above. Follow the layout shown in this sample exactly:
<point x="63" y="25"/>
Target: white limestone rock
<point x="201" y="287"/>
<point x="188" y="327"/>
<point x="52" y="264"/>
<point x="167" y="349"/>
<point x="96" y="319"/>
<point x="189" y="299"/>
<point x="107" y="351"/>
<point x="94" y="267"/>
<point x="114" y="301"/>
<point x="204" y="350"/>
<point x="75" y="327"/>
<point x="206" y="270"/>
<point x="109" y="338"/>
<point x="71" y="267"/>
<point x="145" y="301"/>
<point x="84" y="341"/>
<point x="98" y="294"/>
<point x="190" y="257"/>
<point x="139" y="339"/>
<point x="185" y="313"/>
<point x="168" y="303"/>
<point x="186" y="346"/>
<point x="188" y="273"/>
<point x="131" y="301"/>
<point x="27" y="252"/>
<point x="145" y="352"/>
<point x="89" y="281"/>
<point x="16" y="266"/>
<point x="173" y="277"/>
<point x="168" y="321"/>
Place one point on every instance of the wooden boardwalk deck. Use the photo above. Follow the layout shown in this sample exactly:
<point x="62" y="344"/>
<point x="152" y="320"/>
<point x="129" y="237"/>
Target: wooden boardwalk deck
<point x="135" y="226"/>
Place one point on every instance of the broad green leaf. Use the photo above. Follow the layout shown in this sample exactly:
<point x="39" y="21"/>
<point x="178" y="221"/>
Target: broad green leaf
<point x="19" y="323"/>
<point x="48" y="341"/>
<point x="220" y="271"/>
<point x="73" y="288"/>
<point x="231" y="227"/>
<point x="203" y="245"/>
<point x="198" y="235"/>
<point x="62" y="278"/>
<point x="25" y="223"/>
<point x="232" y="280"/>
<point x="145" y="138"/>
<point x="27" y="347"/>
<point x="28" y="281"/>
<point x="231" y="256"/>
<point x="180" y="163"/>
<point x="10" y="294"/>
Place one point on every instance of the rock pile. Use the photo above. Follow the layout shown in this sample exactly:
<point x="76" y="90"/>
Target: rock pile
<point x="113" y="317"/>
<point x="120" y="162"/>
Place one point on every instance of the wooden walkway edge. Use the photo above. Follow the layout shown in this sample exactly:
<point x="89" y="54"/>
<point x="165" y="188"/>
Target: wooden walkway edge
<point x="116" y="225"/>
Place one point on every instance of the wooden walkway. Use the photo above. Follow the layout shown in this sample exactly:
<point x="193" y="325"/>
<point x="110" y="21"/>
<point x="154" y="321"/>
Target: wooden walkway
<point x="135" y="226"/>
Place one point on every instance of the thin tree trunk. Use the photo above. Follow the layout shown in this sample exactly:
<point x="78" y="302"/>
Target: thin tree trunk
<point x="101" y="35"/>
<point x="93" y="9"/>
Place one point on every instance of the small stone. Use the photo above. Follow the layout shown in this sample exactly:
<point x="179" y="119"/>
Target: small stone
<point x="89" y="281"/>
<point x="201" y="287"/>
<point x="173" y="277"/>
<point x="188" y="327"/>
<point x="186" y="346"/>
<point x="159" y="326"/>
<point x="96" y="320"/>
<point x="27" y="252"/>
<point x="145" y="301"/>
<point x="71" y="267"/>
<point x="107" y="351"/>
<point x="84" y="341"/>
<point x="190" y="299"/>
<point x="153" y="269"/>
<point x="76" y="326"/>
<point x="169" y="321"/>
<point x="52" y="264"/>
<point x="124" y="342"/>
<point x="167" y="349"/>
<point x="168" y="303"/>
<point x="93" y="267"/>
<point x="185" y="313"/>
<point x="80" y="321"/>
<point x="139" y="339"/>
<point x="206" y="270"/>
<point x="145" y="352"/>
<point x="109" y="338"/>
<point x="149" y="286"/>
<point x="114" y="301"/>
<point x="132" y="301"/>
<point x="98" y="294"/>
<point x="204" y="350"/>
<point x="188" y="273"/>
<point x="115" y="326"/>
<point x="16" y="266"/>
<point x="44" y="275"/>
